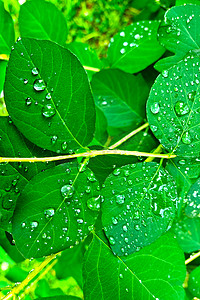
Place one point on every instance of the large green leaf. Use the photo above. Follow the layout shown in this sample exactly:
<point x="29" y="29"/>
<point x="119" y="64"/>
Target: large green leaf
<point x="179" y="33"/>
<point x="155" y="272"/>
<point x="7" y="34"/>
<point x="42" y="20"/>
<point x="3" y="65"/>
<point x="121" y="97"/>
<point x="56" y="210"/>
<point x="192" y="209"/>
<point x="136" y="47"/>
<point x="14" y="144"/>
<point x="48" y="96"/>
<point x="139" y="203"/>
<point x="11" y="184"/>
<point x="173" y="108"/>
<point x="188" y="234"/>
<point x="86" y="56"/>
<point x="194" y="282"/>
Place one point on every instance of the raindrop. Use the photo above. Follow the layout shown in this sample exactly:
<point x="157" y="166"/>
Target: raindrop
<point x="54" y="139"/>
<point x="120" y="199"/>
<point x="111" y="240"/>
<point x="48" y="110"/>
<point x="155" y="107"/>
<point x="48" y="96"/>
<point x="186" y="138"/>
<point x="191" y="95"/>
<point x="64" y="146"/>
<point x="93" y="203"/>
<point x="35" y="71"/>
<point x="25" y="81"/>
<point x="49" y="212"/>
<point x="39" y="85"/>
<point x="34" y="224"/>
<point x="28" y="101"/>
<point x="181" y="108"/>
<point x="165" y="73"/>
<point x="67" y="191"/>
<point x="23" y="224"/>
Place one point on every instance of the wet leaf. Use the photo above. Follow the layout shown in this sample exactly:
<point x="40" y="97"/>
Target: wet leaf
<point x="52" y="213"/>
<point x="155" y="272"/>
<point x="53" y="105"/>
<point x="136" y="47"/>
<point x="192" y="209"/>
<point x="40" y="19"/>
<point x="139" y="203"/>
<point x="194" y="282"/>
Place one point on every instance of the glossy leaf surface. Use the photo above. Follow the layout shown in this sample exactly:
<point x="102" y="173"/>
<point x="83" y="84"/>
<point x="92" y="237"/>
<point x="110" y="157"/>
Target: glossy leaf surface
<point x="194" y="282"/>
<point x="192" y="209"/>
<point x="7" y="34"/>
<point x="139" y="203"/>
<point x="56" y="210"/>
<point x="136" y="47"/>
<point x="179" y="33"/>
<point x="156" y="272"/>
<point x="48" y="96"/>
<point x="40" y="19"/>
<point x="173" y="108"/>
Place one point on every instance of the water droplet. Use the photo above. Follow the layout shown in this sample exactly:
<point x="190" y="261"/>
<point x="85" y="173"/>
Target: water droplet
<point x="54" y="139"/>
<point x="67" y="191"/>
<point x="93" y="203"/>
<point x="191" y="95"/>
<point x="23" y="224"/>
<point x="64" y="146"/>
<point x="39" y="85"/>
<point x="155" y="107"/>
<point x="120" y="199"/>
<point x="49" y="212"/>
<point x="34" y="224"/>
<point x="186" y="138"/>
<point x="25" y="81"/>
<point x="91" y="178"/>
<point x="48" y="110"/>
<point x="116" y="172"/>
<point x="48" y="96"/>
<point x="35" y="71"/>
<point x="28" y="101"/>
<point x="165" y="73"/>
<point x="111" y="240"/>
<point x="181" y="108"/>
<point x="121" y="276"/>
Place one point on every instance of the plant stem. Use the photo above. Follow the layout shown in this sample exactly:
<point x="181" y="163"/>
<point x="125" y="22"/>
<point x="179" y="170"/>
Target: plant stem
<point x="192" y="257"/>
<point x="158" y="150"/>
<point x="31" y="275"/>
<point x="128" y="136"/>
<point x="91" y="69"/>
<point x="89" y="154"/>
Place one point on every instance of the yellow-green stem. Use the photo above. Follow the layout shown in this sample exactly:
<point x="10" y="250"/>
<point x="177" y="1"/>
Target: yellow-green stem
<point x="91" y="69"/>
<point x="192" y="257"/>
<point x="158" y="150"/>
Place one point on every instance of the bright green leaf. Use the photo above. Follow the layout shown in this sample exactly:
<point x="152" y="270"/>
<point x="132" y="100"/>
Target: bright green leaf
<point x="40" y="19"/>
<point x="7" y="34"/>
<point x="48" y="96"/>
<point x="56" y="210"/>
<point x="192" y="209"/>
<point x="173" y="108"/>
<point x="194" y="282"/>
<point x="136" y="47"/>
<point x="155" y="272"/>
<point x="138" y="206"/>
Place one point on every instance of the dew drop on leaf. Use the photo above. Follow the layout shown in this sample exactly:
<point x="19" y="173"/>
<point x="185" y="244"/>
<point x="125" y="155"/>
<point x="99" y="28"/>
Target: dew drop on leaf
<point x="64" y="146"/>
<point x="186" y="138"/>
<point x="39" y="85"/>
<point x="48" y="110"/>
<point x="35" y="71"/>
<point x="191" y="95"/>
<point x="112" y="240"/>
<point x="120" y="199"/>
<point x="25" y="81"/>
<point x="49" y="212"/>
<point x="23" y="224"/>
<point x="165" y="73"/>
<point x="181" y="108"/>
<point x="28" y="101"/>
<point x="54" y="139"/>
<point x="48" y="96"/>
<point x="67" y="191"/>
<point x="155" y="107"/>
<point x="93" y="203"/>
<point x="34" y="224"/>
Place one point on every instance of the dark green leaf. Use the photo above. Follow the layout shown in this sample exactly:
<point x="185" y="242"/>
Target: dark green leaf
<point x="48" y="96"/>
<point x="182" y="2"/>
<point x="100" y="126"/>
<point x="86" y="56"/>
<point x="188" y="234"/>
<point x="155" y="272"/>
<point x="42" y="20"/>
<point x="121" y="97"/>
<point x="138" y="206"/>
<point x="11" y="250"/>
<point x="136" y="47"/>
<point x="56" y="210"/>
<point x="179" y="33"/>
<point x="194" y="282"/>
<point x="192" y="209"/>
<point x="7" y="34"/>
<point x="3" y="65"/>
<point x="173" y="108"/>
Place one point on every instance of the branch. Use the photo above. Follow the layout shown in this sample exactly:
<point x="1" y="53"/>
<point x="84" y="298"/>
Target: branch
<point x="192" y="257"/>
<point x="91" y="69"/>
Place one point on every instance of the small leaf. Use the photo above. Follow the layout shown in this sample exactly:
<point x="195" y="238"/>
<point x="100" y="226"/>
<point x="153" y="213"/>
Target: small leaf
<point x="136" y="47"/>
<point x="179" y="33"/>
<point x="194" y="282"/>
<point x="3" y="65"/>
<point x="139" y="203"/>
<point x="173" y="108"/>
<point x="155" y="272"/>
<point x="52" y="213"/>
<point x="7" y="34"/>
<point x="42" y="20"/>
<point x="52" y="104"/>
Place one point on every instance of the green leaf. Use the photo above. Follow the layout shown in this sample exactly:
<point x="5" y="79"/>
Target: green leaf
<point x="194" y="282"/>
<point x="86" y="55"/>
<point x="192" y="209"/>
<point x="182" y="2"/>
<point x="48" y="96"/>
<point x="179" y="33"/>
<point x="155" y="272"/>
<point x="14" y="144"/>
<point x="11" y="184"/>
<point x="101" y="134"/>
<point x="11" y="250"/>
<point x="121" y="97"/>
<point x="138" y="206"/>
<point x="56" y="210"/>
<point x="42" y="20"/>
<point x="173" y="108"/>
<point x="136" y="47"/>
<point x="7" y="34"/>
<point x="60" y="297"/>
<point x="3" y="65"/>
<point x="188" y="234"/>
